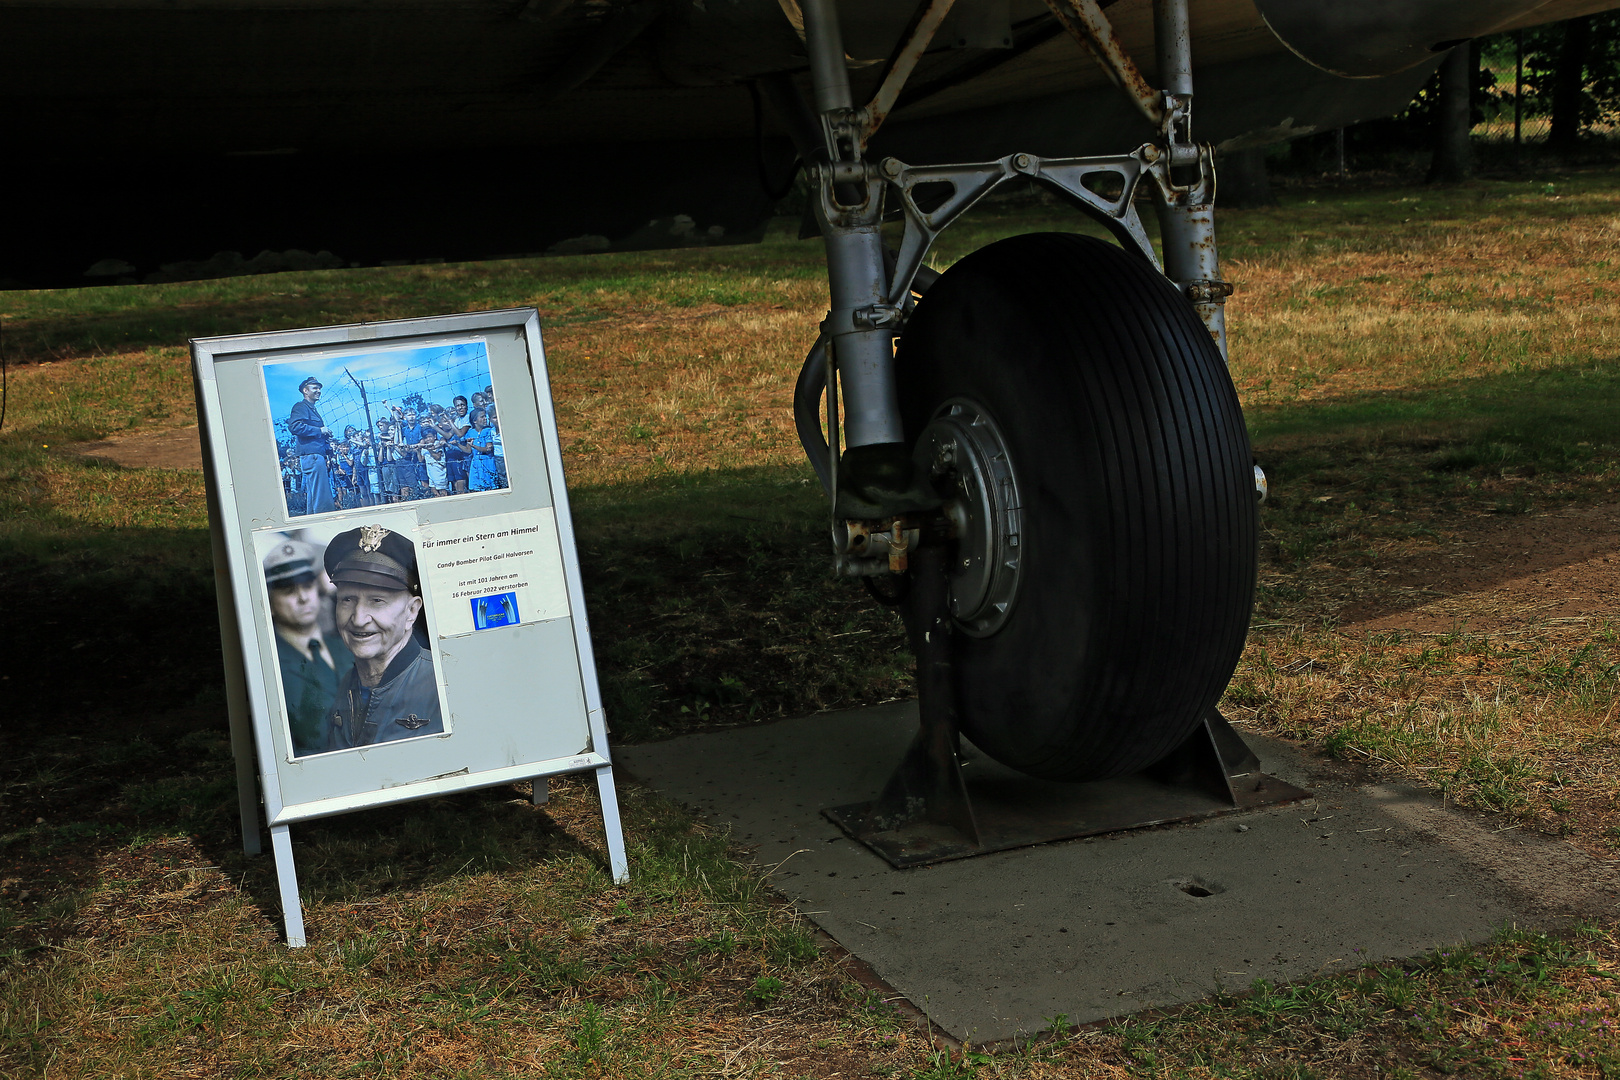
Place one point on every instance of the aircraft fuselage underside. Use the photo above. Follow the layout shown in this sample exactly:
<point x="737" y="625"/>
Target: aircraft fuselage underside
<point x="146" y="134"/>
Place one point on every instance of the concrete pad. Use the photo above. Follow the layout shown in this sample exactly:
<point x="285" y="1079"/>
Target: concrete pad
<point x="994" y="946"/>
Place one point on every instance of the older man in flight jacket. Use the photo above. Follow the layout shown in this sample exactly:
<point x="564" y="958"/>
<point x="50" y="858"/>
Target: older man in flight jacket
<point x="390" y="693"/>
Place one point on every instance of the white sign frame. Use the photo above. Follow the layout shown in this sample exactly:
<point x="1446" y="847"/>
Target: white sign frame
<point x="516" y="675"/>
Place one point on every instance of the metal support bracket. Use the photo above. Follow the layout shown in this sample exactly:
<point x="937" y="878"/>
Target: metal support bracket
<point x="927" y="787"/>
<point x="1186" y="212"/>
<point x="940" y="805"/>
<point x="915" y="821"/>
<point x="1090" y="28"/>
<point x="1110" y="201"/>
<point x="925" y="22"/>
<point x="1104" y="187"/>
<point x="1186" y="215"/>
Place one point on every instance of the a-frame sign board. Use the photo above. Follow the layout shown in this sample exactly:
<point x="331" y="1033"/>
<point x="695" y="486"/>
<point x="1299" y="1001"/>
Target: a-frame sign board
<point x="399" y="592"/>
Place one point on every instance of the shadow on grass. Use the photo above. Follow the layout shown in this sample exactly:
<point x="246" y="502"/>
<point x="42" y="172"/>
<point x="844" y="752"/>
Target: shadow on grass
<point x="711" y="603"/>
<point x="1560" y="419"/>
<point x="407" y="847"/>
<point x="102" y="805"/>
<point x="1350" y="475"/>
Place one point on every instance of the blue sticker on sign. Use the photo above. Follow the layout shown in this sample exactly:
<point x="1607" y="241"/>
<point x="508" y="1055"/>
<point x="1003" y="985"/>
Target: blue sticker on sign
<point x="497" y="610"/>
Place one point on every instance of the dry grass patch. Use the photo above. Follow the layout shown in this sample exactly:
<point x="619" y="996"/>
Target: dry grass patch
<point x="1448" y="298"/>
<point x="680" y="391"/>
<point x="1519" y="722"/>
<point x="172" y="967"/>
<point x="1526" y="1005"/>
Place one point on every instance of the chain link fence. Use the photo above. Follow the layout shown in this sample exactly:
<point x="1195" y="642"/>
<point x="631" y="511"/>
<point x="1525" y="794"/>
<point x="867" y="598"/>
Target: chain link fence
<point x="1514" y="114"/>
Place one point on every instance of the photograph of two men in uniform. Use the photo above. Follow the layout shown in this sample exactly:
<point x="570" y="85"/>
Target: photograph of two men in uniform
<point x="352" y="640"/>
<point x="374" y="429"/>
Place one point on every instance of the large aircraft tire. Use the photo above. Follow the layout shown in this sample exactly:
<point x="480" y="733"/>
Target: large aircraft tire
<point x="1135" y="537"/>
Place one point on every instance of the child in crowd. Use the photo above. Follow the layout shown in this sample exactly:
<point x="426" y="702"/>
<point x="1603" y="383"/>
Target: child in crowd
<point x="388" y="463"/>
<point x="453" y="431"/>
<point x="433" y="462"/>
<point x="409" y="437"/>
<point x="500" y="452"/>
<point x="480" y="444"/>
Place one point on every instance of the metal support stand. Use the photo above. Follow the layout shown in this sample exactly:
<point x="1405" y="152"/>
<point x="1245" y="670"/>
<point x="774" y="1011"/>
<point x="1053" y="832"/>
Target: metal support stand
<point x="876" y="477"/>
<point x="1204" y="778"/>
<point x="292" y="909"/>
<point x="940" y="804"/>
<point x="237" y="710"/>
<point x="927" y="787"/>
<point x="1187" y="226"/>
<point x="1187" y="212"/>
<point x="851" y="212"/>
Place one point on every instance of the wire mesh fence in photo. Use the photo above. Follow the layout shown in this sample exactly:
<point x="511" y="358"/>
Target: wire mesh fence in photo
<point x="386" y="427"/>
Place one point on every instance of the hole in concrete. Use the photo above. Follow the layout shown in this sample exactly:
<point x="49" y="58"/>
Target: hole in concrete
<point x="1199" y="887"/>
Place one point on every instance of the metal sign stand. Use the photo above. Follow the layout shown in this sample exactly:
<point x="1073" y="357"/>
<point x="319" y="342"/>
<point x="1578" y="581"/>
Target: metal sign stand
<point x="489" y="677"/>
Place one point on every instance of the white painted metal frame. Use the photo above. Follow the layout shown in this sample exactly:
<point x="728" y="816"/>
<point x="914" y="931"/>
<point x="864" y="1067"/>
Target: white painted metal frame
<point x="250" y="700"/>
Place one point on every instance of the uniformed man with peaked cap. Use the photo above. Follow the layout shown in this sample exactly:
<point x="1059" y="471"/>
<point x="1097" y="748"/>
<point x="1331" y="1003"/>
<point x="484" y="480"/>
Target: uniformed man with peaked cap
<point x="311" y="664"/>
<point x="312" y="439"/>
<point x="391" y="692"/>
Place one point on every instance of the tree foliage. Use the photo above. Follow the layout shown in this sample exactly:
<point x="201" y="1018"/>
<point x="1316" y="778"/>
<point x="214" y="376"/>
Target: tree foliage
<point x="1595" y="101"/>
<point x="1546" y="54"/>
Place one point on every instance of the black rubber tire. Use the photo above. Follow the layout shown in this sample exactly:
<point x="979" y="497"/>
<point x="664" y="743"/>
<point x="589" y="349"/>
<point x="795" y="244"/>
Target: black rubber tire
<point x="1139" y="513"/>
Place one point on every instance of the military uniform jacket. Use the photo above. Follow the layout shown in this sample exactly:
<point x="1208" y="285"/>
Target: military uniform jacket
<point x="404" y="704"/>
<point x="305" y="423"/>
<point x="309" y="686"/>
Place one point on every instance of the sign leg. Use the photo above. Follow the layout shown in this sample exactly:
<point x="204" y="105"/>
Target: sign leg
<point x="542" y="791"/>
<point x="287" y="878"/>
<point x="609" y="796"/>
<point x="247" y="801"/>
<point x="236" y="694"/>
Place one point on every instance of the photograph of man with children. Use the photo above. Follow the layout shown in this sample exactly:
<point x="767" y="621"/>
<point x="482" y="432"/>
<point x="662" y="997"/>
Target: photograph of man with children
<point x="351" y="637"/>
<point x="380" y="428"/>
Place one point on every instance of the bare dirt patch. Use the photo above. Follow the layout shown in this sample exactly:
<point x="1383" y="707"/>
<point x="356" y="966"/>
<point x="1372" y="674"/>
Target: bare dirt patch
<point x="1480" y="658"/>
<point x="173" y="448"/>
<point x="1498" y="572"/>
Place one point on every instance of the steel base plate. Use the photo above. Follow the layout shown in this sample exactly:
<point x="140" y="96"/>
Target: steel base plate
<point x="1014" y="810"/>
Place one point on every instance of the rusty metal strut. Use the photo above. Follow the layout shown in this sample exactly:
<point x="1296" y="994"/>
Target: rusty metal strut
<point x="927" y="786"/>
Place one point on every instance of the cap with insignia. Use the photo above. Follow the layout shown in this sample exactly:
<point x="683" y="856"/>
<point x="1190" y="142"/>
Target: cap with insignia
<point x="372" y="555"/>
<point x="307" y="383"/>
<point x="289" y="560"/>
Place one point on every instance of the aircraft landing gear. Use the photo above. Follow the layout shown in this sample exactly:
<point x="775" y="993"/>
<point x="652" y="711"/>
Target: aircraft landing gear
<point x="1056" y="435"/>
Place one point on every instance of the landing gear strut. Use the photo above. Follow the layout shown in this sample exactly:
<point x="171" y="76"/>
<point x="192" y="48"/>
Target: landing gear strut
<point x="1053" y="454"/>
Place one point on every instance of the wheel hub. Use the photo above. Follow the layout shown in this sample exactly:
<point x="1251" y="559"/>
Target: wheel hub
<point x="965" y="452"/>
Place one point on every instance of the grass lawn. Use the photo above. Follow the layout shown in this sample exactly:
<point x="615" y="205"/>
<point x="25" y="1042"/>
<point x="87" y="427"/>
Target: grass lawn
<point x="1425" y="371"/>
